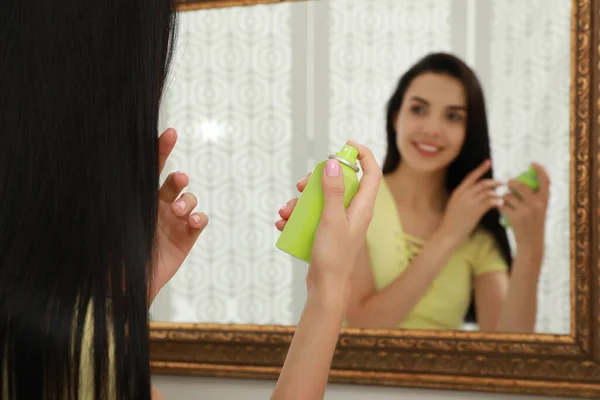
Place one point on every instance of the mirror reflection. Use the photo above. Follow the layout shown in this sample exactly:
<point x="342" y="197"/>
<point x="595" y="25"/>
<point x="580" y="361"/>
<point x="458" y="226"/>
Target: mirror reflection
<point x="260" y="94"/>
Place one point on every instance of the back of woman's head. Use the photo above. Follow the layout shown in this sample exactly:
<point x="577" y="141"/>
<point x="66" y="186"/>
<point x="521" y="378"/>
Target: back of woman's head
<point x="80" y="84"/>
<point x="476" y="145"/>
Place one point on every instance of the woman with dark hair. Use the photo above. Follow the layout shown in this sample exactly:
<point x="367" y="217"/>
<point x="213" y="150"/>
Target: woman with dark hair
<point x="435" y="249"/>
<point x="87" y="237"/>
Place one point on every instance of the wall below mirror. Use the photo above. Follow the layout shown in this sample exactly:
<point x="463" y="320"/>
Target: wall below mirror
<point x="186" y="388"/>
<point x="260" y="94"/>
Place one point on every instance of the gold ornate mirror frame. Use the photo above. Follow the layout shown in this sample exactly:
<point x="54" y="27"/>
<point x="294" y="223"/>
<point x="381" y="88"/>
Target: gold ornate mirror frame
<point x="510" y="363"/>
<point x="189" y="5"/>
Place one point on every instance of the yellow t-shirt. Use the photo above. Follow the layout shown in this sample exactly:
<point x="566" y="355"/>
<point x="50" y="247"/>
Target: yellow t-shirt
<point x="446" y="302"/>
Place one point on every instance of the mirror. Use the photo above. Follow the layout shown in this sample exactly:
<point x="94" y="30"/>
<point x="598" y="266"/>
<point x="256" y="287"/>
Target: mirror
<point x="260" y="94"/>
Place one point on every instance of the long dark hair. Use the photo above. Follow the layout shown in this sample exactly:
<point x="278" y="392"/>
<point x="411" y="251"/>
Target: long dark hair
<point x="476" y="147"/>
<point x="80" y="87"/>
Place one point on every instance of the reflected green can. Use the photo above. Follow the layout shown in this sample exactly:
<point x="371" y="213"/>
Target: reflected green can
<point x="529" y="178"/>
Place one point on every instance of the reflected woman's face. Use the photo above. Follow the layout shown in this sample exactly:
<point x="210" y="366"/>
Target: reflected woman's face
<point x="431" y="123"/>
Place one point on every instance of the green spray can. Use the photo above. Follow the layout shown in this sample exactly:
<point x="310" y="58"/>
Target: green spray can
<point x="299" y="232"/>
<point x="529" y="178"/>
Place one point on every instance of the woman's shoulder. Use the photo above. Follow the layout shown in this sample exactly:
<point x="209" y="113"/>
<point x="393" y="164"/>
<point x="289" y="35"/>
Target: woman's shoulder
<point x="484" y="248"/>
<point x="482" y="236"/>
<point x="385" y="199"/>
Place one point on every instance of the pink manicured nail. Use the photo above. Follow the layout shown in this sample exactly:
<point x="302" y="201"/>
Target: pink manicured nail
<point x="196" y="219"/>
<point x="181" y="205"/>
<point x="332" y="167"/>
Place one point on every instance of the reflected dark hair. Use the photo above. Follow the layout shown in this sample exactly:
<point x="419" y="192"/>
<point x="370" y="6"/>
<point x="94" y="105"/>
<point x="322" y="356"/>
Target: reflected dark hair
<point x="476" y="147"/>
<point x="80" y="87"/>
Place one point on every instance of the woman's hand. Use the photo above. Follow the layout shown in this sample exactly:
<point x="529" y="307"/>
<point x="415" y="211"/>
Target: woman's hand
<point x="341" y="232"/>
<point x="527" y="213"/>
<point x="286" y="211"/>
<point x="468" y="203"/>
<point x="340" y="235"/>
<point x="178" y="228"/>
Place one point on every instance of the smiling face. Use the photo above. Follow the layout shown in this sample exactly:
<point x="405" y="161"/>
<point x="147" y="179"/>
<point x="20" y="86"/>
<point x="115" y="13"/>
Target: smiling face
<point x="431" y="123"/>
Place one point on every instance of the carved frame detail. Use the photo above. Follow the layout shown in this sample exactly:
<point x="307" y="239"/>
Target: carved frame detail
<point x="489" y="362"/>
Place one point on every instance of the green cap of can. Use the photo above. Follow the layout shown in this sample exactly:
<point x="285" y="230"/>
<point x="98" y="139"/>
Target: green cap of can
<point x="348" y="153"/>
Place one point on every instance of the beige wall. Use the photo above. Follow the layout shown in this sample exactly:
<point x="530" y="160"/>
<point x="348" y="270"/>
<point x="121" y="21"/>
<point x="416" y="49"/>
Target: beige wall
<point x="185" y="388"/>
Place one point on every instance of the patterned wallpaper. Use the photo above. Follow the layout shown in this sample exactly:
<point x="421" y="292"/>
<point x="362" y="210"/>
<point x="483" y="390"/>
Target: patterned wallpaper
<point x="528" y="96"/>
<point x="259" y="93"/>
<point x="229" y="99"/>
<point x="371" y="43"/>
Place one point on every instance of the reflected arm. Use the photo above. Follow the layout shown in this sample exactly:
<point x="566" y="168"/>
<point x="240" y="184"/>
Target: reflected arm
<point x="519" y="308"/>
<point x="390" y="306"/>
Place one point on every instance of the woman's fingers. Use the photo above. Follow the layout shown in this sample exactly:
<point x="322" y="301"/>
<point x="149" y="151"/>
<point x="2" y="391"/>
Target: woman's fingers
<point x="364" y="200"/>
<point x="197" y="222"/>
<point x="184" y="205"/>
<point x="286" y="210"/>
<point x="172" y="186"/>
<point x="302" y="182"/>
<point x="166" y="143"/>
